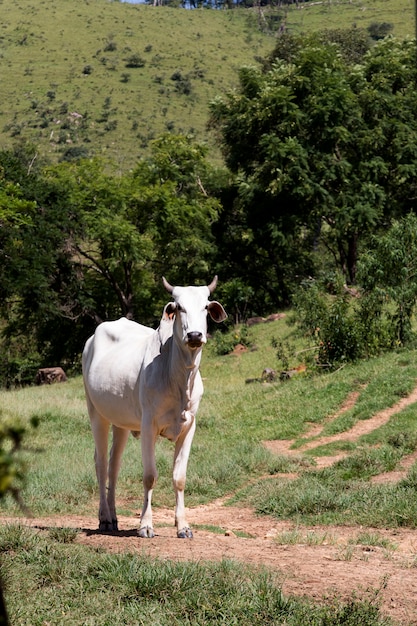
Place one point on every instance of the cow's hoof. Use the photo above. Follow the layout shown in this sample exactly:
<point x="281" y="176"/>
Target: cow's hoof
<point x="146" y="532"/>
<point x="108" y="527"/>
<point x="185" y="533"/>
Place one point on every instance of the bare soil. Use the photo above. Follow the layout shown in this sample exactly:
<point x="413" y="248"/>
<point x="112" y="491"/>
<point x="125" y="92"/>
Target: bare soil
<point x="323" y="563"/>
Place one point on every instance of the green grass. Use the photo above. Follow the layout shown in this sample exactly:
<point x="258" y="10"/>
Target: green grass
<point x="70" y="584"/>
<point x="370" y="539"/>
<point x="361" y="13"/>
<point x="309" y="538"/>
<point x="59" y="58"/>
<point x="228" y="454"/>
<point x="73" y="584"/>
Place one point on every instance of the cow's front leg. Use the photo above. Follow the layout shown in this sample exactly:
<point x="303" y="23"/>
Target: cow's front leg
<point x="150" y="475"/>
<point x="182" y="452"/>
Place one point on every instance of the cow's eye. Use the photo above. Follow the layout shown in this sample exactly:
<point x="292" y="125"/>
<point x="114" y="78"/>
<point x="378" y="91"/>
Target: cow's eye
<point x="180" y="308"/>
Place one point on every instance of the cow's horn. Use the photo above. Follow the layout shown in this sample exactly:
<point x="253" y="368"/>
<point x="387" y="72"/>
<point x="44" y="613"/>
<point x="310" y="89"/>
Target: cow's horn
<point x="213" y="284"/>
<point x="167" y="286"/>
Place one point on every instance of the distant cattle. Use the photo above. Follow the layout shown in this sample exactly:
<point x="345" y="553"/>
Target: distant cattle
<point x="255" y="320"/>
<point x="148" y="381"/>
<point x="48" y="375"/>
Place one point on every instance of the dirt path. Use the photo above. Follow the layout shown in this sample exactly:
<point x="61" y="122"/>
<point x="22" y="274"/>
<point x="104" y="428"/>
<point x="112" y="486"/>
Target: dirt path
<point x="316" y="562"/>
<point x="362" y="427"/>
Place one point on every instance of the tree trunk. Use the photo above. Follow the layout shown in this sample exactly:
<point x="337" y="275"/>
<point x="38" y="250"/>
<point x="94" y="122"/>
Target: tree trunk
<point x="348" y="255"/>
<point x="352" y="257"/>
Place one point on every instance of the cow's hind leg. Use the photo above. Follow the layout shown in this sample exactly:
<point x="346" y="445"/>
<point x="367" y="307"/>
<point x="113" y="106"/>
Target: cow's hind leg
<point x="120" y="437"/>
<point x="182" y="452"/>
<point x="100" y="428"/>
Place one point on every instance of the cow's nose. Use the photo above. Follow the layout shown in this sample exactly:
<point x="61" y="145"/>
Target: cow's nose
<point x="195" y="339"/>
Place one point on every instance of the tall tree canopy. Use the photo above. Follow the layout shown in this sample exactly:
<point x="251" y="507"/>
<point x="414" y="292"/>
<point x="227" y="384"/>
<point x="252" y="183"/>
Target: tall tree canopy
<point x="324" y="152"/>
<point x="85" y="244"/>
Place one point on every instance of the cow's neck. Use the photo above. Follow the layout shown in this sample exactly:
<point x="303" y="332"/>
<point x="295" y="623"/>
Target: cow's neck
<point x="185" y="360"/>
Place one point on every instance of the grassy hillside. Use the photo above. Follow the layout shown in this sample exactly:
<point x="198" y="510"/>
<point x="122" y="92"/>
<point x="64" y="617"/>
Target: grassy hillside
<point x="65" y="58"/>
<point x="106" y="77"/>
<point x="362" y="13"/>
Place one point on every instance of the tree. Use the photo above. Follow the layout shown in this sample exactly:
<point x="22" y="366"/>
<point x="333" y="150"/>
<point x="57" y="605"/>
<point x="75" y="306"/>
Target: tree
<point x="126" y="231"/>
<point x="388" y="270"/>
<point x="104" y="236"/>
<point x="324" y="152"/>
<point x="97" y="245"/>
<point x="173" y="187"/>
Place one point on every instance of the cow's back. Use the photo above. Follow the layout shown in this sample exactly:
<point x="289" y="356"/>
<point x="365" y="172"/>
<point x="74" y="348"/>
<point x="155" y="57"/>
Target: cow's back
<point x="112" y="361"/>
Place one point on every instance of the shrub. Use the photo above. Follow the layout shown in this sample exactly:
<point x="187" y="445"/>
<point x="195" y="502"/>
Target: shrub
<point x="135" y="60"/>
<point x="224" y="343"/>
<point x="379" y="30"/>
<point x="342" y="328"/>
<point x="182" y="83"/>
<point x="18" y="371"/>
<point x="110" y="46"/>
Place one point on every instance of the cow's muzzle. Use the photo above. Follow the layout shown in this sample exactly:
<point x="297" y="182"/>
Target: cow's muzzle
<point x="194" y="339"/>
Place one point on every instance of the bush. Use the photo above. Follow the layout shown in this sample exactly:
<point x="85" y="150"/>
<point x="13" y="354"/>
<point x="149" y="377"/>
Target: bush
<point x="379" y="30"/>
<point x="135" y="60"/>
<point x="343" y="329"/>
<point x="182" y="83"/>
<point x="110" y="46"/>
<point x="18" y="371"/>
<point x="224" y="343"/>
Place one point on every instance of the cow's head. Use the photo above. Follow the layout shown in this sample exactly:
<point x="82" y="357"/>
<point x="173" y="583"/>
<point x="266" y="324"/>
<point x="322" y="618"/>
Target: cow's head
<point x="190" y="308"/>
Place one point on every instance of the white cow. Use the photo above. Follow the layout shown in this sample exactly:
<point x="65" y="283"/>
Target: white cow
<point x="148" y="381"/>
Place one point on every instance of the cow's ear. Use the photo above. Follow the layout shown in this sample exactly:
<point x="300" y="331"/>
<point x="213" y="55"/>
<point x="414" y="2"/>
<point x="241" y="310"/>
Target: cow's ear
<point x="170" y="310"/>
<point x="216" y="311"/>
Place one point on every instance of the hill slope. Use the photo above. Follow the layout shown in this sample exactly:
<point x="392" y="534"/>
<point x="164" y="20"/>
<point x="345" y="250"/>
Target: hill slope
<point x="106" y="77"/>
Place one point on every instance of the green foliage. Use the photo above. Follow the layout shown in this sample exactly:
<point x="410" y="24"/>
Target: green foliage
<point x="224" y="343"/>
<point x="285" y="352"/>
<point x="381" y="318"/>
<point x="352" y="44"/>
<point x="236" y="296"/>
<point x="95" y="245"/>
<point x="17" y="369"/>
<point x="343" y="329"/>
<point x="12" y="466"/>
<point x="379" y="30"/>
<point x="388" y="273"/>
<point x="135" y="60"/>
<point x="323" y="151"/>
<point x="11" y="471"/>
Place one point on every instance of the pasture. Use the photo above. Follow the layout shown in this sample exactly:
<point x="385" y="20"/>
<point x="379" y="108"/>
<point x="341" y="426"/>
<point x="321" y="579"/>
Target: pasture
<point x="301" y="495"/>
<point x="105" y="78"/>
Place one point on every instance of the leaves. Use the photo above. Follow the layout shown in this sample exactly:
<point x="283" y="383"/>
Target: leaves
<point x="319" y="141"/>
